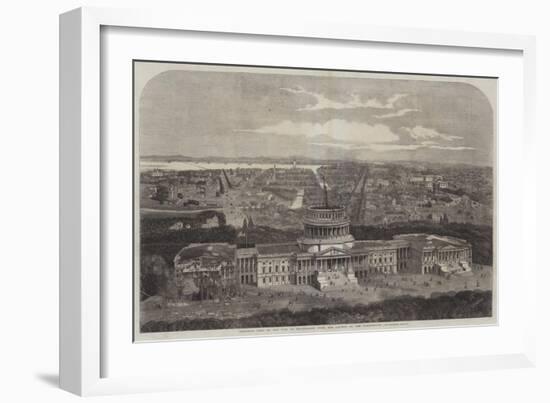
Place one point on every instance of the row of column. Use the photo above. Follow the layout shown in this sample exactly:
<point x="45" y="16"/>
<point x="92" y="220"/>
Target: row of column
<point x="326" y="232"/>
<point x="329" y="215"/>
<point x="448" y="255"/>
<point x="402" y="253"/>
<point x="247" y="264"/>
<point x="323" y="264"/>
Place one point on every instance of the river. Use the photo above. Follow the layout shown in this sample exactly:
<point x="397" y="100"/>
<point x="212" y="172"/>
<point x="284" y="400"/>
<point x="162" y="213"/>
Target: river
<point x="201" y="165"/>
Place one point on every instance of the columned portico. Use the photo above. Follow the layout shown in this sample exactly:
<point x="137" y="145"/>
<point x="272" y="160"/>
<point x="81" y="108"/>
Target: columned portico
<point x="327" y="242"/>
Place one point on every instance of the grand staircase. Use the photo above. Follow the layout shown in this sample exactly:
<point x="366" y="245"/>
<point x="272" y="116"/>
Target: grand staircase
<point x="328" y="280"/>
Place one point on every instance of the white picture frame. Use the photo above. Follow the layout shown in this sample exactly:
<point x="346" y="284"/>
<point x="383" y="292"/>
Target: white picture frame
<point x="83" y="342"/>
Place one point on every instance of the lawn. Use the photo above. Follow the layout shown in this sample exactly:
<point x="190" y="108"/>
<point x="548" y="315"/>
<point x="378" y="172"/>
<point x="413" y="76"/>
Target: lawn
<point x="254" y="301"/>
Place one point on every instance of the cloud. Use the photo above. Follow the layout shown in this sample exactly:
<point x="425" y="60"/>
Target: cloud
<point x="350" y="136"/>
<point x="453" y="148"/>
<point x="338" y="130"/>
<point x="355" y="101"/>
<point x="400" y="112"/>
<point x="372" y="147"/>
<point x="420" y="132"/>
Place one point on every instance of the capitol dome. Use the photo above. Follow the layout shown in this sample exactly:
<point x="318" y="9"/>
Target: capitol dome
<point x="326" y="227"/>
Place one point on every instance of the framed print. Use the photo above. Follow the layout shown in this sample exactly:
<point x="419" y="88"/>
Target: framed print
<point x="297" y="200"/>
<point x="226" y="194"/>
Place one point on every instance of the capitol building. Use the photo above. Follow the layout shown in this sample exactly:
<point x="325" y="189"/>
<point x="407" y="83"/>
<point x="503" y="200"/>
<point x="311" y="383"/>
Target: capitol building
<point x="326" y="256"/>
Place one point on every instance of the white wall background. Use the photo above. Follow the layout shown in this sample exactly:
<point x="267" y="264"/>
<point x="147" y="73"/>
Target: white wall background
<point x="29" y="197"/>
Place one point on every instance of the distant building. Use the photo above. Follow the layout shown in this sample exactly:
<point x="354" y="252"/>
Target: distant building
<point x="212" y="222"/>
<point x="395" y="216"/>
<point x="157" y="173"/>
<point x="178" y="226"/>
<point x="436" y="217"/>
<point x="414" y="216"/>
<point x="383" y="182"/>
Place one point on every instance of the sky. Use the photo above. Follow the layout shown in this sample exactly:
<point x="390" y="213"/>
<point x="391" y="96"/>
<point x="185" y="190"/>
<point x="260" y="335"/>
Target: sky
<point x="227" y="111"/>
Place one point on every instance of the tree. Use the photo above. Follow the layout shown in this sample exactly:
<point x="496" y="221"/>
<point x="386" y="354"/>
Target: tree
<point x="250" y="223"/>
<point x="221" y="219"/>
<point x="148" y="285"/>
<point x="245" y="225"/>
<point x="162" y="193"/>
<point x="153" y="276"/>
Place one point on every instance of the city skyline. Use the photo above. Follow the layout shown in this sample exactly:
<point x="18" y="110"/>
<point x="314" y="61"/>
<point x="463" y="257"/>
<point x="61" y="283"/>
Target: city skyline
<point x="182" y="110"/>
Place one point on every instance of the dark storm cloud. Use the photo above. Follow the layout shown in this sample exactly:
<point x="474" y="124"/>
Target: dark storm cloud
<point x="237" y="114"/>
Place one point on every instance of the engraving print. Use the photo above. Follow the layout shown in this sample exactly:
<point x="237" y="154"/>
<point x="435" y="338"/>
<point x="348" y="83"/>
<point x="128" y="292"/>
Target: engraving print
<point x="274" y="200"/>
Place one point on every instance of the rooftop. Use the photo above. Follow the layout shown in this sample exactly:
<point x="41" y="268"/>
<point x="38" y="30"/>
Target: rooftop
<point x="277" y="248"/>
<point x="374" y="244"/>
<point x="326" y="208"/>
<point x="223" y="251"/>
<point x="436" y="241"/>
